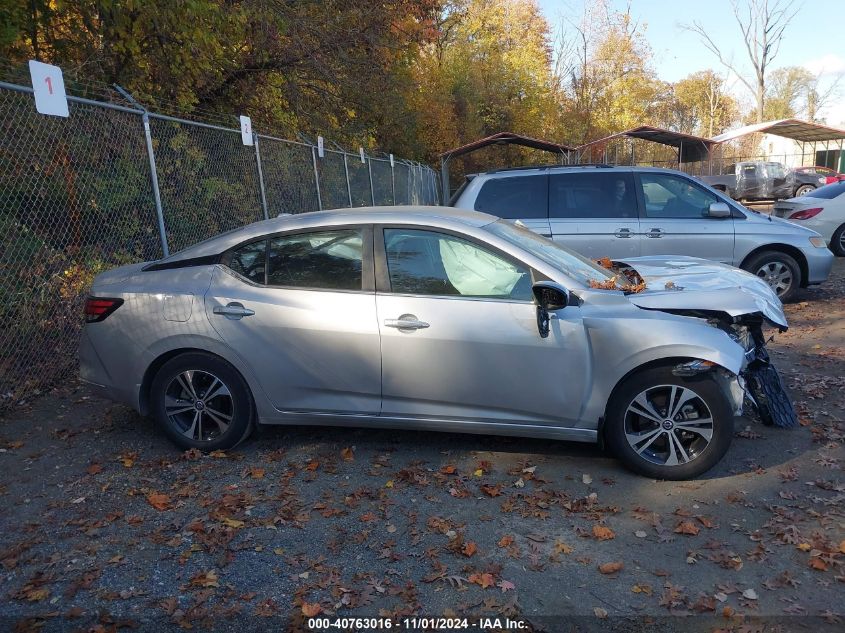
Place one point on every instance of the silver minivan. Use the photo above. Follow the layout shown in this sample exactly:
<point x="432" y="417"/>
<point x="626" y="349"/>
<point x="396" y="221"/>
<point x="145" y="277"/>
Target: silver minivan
<point x="622" y="212"/>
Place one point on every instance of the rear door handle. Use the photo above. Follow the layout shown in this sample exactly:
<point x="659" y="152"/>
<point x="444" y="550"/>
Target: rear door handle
<point x="233" y="310"/>
<point x="623" y="233"/>
<point x="406" y="322"/>
<point x="655" y="233"/>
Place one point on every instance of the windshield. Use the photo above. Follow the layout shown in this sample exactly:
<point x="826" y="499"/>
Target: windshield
<point x="568" y="262"/>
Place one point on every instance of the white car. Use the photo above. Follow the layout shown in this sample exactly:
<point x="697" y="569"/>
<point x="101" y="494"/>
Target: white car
<point x="822" y="210"/>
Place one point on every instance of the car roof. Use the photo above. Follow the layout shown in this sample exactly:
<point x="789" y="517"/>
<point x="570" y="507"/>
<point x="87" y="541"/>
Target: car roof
<point x="398" y="214"/>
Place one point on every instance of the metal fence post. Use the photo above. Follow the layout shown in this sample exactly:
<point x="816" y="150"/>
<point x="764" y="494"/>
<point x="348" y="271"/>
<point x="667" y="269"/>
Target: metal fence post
<point x="393" y="181"/>
<point x="260" y="177"/>
<point x="372" y="188"/>
<point x="348" y="186"/>
<point x="156" y="192"/>
<point x="316" y="177"/>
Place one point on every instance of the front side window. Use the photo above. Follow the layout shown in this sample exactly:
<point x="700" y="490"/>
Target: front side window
<point x="668" y="196"/>
<point x="429" y="263"/>
<point x="605" y="194"/>
<point x="329" y="260"/>
<point x="515" y="197"/>
<point x="249" y="261"/>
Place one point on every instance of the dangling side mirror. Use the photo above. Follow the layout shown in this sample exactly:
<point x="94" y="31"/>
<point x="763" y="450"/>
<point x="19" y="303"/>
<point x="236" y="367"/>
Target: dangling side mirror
<point x="550" y="296"/>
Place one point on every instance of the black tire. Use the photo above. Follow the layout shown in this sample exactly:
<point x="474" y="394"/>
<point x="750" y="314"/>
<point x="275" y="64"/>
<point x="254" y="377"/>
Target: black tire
<point x="236" y="403"/>
<point x="704" y="457"/>
<point x="803" y="190"/>
<point x="837" y="242"/>
<point x="774" y="407"/>
<point x="774" y="261"/>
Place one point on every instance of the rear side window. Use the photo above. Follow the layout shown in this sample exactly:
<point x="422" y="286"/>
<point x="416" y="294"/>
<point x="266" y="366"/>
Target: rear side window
<point x="592" y="195"/>
<point x="327" y="260"/>
<point x="515" y="197"/>
<point x="828" y="192"/>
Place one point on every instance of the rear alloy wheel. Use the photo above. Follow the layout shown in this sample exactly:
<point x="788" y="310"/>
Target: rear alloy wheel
<point x="837" y="242"/>
<point x="779" y="270"/>
<point x="803" y="190"/>
<point x="667" y="427"/>
<point x="201" y="401"/>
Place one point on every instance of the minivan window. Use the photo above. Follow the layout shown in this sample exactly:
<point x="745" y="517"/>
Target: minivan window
<point x="515" y="197"/>
<point x="605" y="194"/>
<point x="669" y="196"/>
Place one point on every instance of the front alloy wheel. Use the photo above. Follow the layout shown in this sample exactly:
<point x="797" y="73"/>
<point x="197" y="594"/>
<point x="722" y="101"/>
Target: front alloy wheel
<point x="669" y="427"/>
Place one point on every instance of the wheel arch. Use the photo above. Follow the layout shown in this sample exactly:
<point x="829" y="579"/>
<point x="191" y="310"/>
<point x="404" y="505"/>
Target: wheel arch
<point x="794" y="252"/>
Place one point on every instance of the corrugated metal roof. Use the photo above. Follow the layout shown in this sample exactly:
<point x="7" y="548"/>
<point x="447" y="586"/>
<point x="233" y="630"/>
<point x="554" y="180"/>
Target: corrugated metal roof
<point x="797" y="130"/>
<point x="693" y="148"/>
<point x="507" y="138"/>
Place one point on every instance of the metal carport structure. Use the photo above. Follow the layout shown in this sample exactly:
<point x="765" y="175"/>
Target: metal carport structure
<point x="690" y="148"/>
<point x="795" y="129"/>
<point x="501" y="138"/>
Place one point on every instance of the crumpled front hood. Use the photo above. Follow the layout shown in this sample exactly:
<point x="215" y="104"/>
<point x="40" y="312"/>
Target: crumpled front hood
<point x="700" y="284"/>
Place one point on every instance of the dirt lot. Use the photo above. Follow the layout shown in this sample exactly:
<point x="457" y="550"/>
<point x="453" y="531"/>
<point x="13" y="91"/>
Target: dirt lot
<point x="106" y="525"/>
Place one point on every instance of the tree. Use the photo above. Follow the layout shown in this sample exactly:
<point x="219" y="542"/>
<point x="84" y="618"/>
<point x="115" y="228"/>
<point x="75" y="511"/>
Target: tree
<point x="762" y="24"/>
<point x="701" y="104"/>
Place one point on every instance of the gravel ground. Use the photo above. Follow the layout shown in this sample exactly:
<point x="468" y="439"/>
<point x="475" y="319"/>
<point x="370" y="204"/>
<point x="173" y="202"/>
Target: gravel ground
<point x="107" y="526"/>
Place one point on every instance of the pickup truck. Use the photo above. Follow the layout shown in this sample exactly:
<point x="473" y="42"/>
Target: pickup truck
<point x="759" y="180"/>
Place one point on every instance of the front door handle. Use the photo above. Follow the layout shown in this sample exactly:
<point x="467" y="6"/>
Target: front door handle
<point x="233" y="310"/>
<point x="406" y="322"/>
<point x="655" y="233"/>
<point x="623" y="233"/>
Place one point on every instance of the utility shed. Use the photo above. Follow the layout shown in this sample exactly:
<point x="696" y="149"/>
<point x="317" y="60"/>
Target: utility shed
<point x="502" y="138"/>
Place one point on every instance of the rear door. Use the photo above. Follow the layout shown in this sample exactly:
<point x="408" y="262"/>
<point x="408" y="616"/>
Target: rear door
<point x="674" y="220"/>
<point x="300" y="309"/>
<point x="595" y="212"/>
<point x="517" y="197"/>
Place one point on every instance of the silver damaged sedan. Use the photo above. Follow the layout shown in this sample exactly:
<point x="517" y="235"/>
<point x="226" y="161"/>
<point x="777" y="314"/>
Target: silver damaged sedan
<point x="437" y="319"/>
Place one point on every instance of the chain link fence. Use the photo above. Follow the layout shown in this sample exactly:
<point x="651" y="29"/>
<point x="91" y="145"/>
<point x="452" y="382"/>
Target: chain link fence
<point x="115" y="184"/>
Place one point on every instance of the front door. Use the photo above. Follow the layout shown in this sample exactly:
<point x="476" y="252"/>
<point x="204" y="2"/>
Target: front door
<point x="674" y="219"/>
<point x="595" y="212"/>
<point x="301" y="310"/>
<point x="460" y="340"/>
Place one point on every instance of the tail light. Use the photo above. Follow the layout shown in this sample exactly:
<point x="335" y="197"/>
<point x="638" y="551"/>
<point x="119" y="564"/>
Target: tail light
<point x="805" y="214"/>
<point x="98" y="308"/>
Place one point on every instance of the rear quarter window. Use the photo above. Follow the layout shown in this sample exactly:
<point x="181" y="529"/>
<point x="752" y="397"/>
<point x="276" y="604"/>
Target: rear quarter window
<point x="515" y="197"/>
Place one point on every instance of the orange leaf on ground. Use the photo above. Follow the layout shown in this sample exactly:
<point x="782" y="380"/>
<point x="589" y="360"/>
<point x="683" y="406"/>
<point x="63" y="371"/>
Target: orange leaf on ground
<point x="205" y="579"/>
<point x="312" y="465"/>
<point x="347" y="454"/>
<point x="485" y="580"/>
<point x="602" y="533"/>
<point x="158" y="501"/>
<point x="469" y="548"/>
<point x="310" y="609"/>
<point x="818" y="564"/>
<point x="448" y="470"/>
<point x="611" y="568"/>
<point x="505" y="541"/>
<point x="687" y="527"/>
<point x="93" y="469"/>
<point x="492" y="491"/>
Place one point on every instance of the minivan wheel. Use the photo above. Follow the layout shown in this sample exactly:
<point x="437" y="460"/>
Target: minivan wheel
<point x="200" y="401"/>
<point x="803" y="190"/>
<point x="777" y="269"/>
<point x="837" y="242"/>
<point x="667" y="427"/>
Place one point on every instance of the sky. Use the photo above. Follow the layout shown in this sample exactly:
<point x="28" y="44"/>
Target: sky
<point x="813" y="39"/>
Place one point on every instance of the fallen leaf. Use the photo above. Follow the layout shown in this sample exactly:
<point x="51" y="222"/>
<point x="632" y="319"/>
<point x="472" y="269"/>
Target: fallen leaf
<point x="469" y="549"/>
<point x="448" y="470"/>
<point x="505" y="541"/>
<point x="389" y="484"/>
<point x="562" y="548"/>
<point x="587" y="479"/>
<point x="640" y="534"/>
<point x="505" y="585"/>
<point x="256" y="473"/>
<point x="279" y="551"/>
<point x="602" y="533"/>
<point x="484" y="580"/>
<point x="205" y="579"/>
<point x="599" y="612"/>
<point x="312" y="465"/>
<point x="491" y="491"/>
<point x="818" y="564"/>
<point x="158" y="501"/>
<point x="749" y="594"/>
<point x="93" y="469"/>
<point x="310" y="609"/>
<point x="478" y="472"/>
<point x="646" y="589"/>
<point x="233" y="523"/>
<point x="804" y="547"/>
<point x="687" y="527"/>
<point x="611" y="568"/>
<point x="348" y="454"/>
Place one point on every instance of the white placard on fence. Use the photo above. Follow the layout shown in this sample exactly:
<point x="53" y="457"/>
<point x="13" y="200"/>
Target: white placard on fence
<point x="246" y="130"/>
<point x="391" y="161"/>
<point x="321" y="151"/>
<point x="361" y="152"/>
<point x="48" y="86"/>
